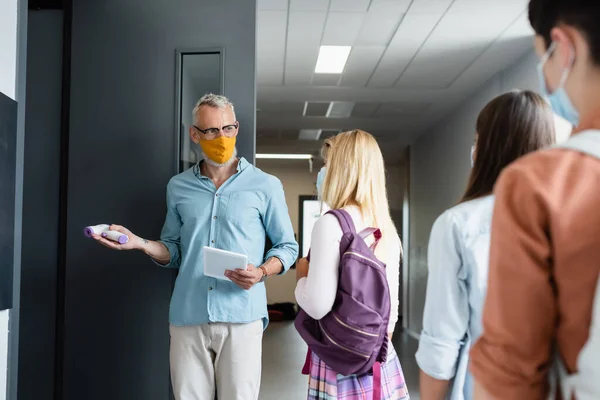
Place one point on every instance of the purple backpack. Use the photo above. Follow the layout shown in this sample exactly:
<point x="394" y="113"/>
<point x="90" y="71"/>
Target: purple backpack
<point x="352" y="337"/>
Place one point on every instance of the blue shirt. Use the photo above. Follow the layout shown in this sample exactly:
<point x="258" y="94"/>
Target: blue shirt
<point x="458" y="258"/>
<point x="237" y="217"/>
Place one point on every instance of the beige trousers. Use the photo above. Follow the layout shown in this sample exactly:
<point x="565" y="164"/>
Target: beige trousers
<point x="220" y="357"/>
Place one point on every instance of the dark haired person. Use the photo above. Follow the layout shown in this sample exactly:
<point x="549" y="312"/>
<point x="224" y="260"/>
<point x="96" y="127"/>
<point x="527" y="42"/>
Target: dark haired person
<point x="509" y="127"/>
<point x="545" y="245"/>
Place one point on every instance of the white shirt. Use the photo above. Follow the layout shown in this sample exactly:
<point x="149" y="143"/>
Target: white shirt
<point x="458" y="257"/>
<point x="315" y="294"/>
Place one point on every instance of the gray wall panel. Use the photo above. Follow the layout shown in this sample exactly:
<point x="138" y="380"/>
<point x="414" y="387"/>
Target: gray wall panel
<point x="122" y="152"/>
<point x="40" y="205"/>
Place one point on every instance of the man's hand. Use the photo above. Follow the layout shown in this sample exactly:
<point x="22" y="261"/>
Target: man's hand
<point x="133" y="243"/>
<point x="301" y="269"/>
<point x="245" y="279"/>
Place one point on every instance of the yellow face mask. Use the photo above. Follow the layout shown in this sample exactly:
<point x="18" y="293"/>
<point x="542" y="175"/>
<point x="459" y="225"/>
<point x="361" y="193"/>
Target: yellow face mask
<point x="219" y="150"/>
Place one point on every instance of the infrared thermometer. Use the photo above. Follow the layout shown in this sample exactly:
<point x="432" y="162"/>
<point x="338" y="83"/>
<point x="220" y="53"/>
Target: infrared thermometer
<point x="104" y="231"/>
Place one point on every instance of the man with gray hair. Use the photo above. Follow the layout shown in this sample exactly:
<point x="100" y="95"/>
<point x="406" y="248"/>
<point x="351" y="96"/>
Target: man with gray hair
<point x="226" y="203"/>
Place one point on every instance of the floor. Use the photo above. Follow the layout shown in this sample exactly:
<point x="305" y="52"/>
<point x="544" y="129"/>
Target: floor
<point x="284" y="353"/>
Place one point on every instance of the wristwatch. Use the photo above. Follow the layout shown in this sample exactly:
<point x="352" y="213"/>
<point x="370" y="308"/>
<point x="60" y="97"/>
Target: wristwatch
<point x="265" y="274"/>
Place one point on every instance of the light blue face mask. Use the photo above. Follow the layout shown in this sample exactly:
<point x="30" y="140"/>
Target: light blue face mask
<point x="561" y="104"/>
<point x="320" y="179"/>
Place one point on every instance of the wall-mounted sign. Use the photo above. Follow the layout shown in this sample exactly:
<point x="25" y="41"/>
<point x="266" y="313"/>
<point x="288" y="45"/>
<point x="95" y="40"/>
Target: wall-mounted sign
<point x="311" y="210"/>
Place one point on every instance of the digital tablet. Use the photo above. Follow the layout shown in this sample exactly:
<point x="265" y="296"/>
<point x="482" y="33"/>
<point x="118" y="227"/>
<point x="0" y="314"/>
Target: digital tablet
<point x="217" y="261"/>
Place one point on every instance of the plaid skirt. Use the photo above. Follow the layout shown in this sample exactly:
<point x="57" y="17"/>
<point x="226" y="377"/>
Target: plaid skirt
<point x="326" y="384"/>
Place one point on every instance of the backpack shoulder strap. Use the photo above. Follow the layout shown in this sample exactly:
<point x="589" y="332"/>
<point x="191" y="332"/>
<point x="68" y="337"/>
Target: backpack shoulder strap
<point x="587" y="380"/>
<point x="344" y="219"/>
<point x="587" y="142"/>
<point x="365" y="233"/>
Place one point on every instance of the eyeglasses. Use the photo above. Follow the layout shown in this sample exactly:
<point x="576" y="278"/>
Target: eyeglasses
<point x="211" y="133"/>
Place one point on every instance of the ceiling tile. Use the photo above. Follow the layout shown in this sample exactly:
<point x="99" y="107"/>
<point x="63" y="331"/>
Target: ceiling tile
<point x="303" y="46"/>
<point x="342" y="28"/>
<point x="340" y="109"/>
<point x="514" y="43"/>
<point x="325" y="79"/>
<point x="484" y="7"/>
<point x="289" y="133"/>
<point x="361" y="64"/>
<point x="519" y="29"/>
<point x="404" y="3"/>
<point x="365" y="110"/>
<point x="431" y="6"/>
<point x="400" y="108"/>
<point x="456" y="42"/>
<point x="267" y="133"/>
<point x="285" y="107"/>
<point x="316" y="109"/>
<point x="270" y="46"/>
<point x="279" y="5"/>
<point x="295" y="108"/>
<point x="465" y="52"/>
<point x="309" y="5"/>
<point x="409" y="38"/>
<point x="349" y="5"/>
<point x="327" y="133"/>
<point x="309" y="134"/>
<point x="269" y="106"/>
<point x="381" y="23"/>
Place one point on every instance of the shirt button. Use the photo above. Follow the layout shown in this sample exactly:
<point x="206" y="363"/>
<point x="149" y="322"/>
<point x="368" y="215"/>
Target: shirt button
<point x="215" y="217"/>
<point x="217" y="195"/>
<point x="212" y="241"/>
<point x="209" y="288"/>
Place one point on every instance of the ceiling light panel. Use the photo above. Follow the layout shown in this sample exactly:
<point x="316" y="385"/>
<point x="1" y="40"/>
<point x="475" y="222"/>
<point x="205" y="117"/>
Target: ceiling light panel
<point x="332" y="59"/>
<point x="277" y="156"/>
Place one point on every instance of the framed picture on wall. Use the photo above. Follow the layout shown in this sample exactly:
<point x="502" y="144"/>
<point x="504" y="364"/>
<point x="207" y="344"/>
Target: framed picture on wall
<point x="311" y="209"/>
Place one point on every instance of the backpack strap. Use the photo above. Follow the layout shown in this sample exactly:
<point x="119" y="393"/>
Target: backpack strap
<point x="344" y="219"/>
<point x="586" y="382"/>
<point x="587" y="142"/>
<point x="307" y="362"/>
<point x="377" y="381"/>
<point x="365" y="233"/>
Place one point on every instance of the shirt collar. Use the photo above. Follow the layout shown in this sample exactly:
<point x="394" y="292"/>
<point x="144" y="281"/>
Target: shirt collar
<point x="242" y="165"/>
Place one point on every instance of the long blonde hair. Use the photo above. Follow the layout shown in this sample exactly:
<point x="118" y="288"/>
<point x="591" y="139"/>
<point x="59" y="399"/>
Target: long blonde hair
<point x="356" y="177"/>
